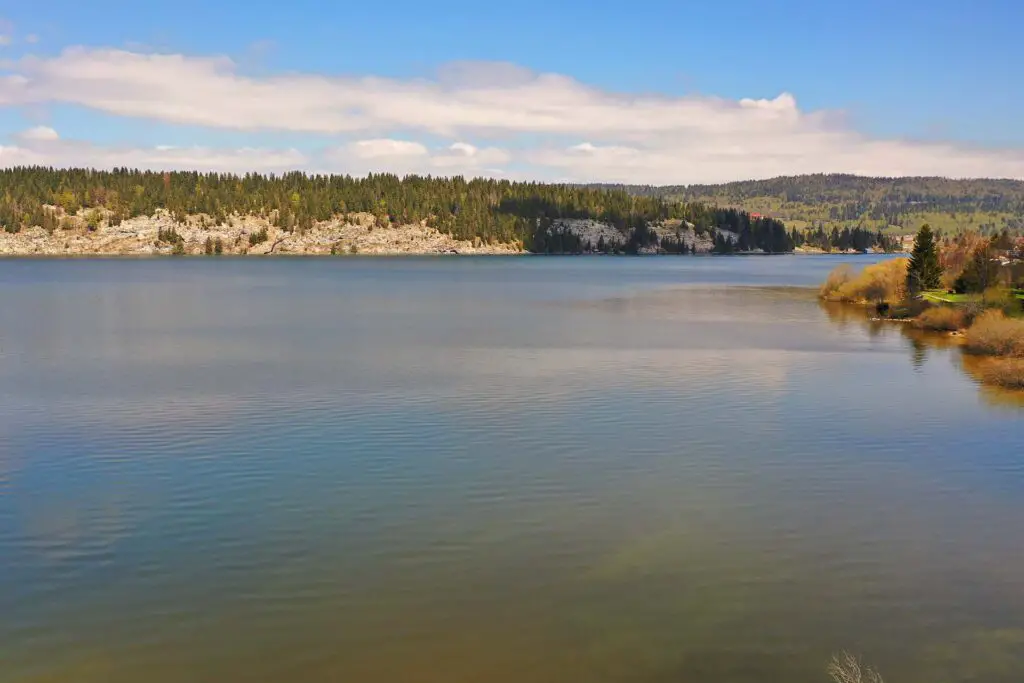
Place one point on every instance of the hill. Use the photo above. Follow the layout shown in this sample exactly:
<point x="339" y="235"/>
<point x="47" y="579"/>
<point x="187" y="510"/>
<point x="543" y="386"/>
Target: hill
<point x="893" y="205"/>
<point x="46" y="210"/>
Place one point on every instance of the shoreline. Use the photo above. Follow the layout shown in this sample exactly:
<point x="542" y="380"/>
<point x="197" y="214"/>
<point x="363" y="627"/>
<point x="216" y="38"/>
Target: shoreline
<point x="163" y="254"/>
<point x="98" y="234"/>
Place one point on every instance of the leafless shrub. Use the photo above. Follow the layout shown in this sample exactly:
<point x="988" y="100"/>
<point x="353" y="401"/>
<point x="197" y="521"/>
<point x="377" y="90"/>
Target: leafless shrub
<point x="845" y="668"/>
<point x="941" y="318"/>
<point x="836" y="279"/>
<point x="1004" y="372"/>
<point x="994" y="334"/>
<point x="883" y="281"/>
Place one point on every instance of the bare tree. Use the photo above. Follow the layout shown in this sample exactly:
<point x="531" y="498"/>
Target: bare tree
<point x="845" y="668"/>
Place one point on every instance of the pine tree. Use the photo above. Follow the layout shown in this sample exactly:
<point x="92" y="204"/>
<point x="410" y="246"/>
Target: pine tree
<point x="924" y="271"/>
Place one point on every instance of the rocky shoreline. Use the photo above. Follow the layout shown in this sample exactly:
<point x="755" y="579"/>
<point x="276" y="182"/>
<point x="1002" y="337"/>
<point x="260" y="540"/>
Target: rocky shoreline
<point x="162" y="234"/>
<point x="93" y="234"/>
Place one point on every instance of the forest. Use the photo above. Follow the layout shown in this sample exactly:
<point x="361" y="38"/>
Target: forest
<point x="856" y="239"/>
<point x="892" y="205"/>
<point x="485" y="209"/>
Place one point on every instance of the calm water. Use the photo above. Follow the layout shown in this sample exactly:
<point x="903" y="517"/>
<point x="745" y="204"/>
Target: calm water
<point x="522" y="470"/>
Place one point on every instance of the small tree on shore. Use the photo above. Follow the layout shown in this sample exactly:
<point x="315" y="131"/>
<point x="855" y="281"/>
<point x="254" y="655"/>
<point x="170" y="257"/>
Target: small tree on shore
<point x="924" y="271"/>
<point x="980" y="272"/>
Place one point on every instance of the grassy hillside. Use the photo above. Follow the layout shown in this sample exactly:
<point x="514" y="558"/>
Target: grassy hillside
<point x="894" y="205"/>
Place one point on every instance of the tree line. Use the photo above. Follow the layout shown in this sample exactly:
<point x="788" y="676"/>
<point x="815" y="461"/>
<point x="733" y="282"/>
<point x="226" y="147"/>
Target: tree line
<point x="980" y="204"/>
<point x="484" y="209"/>
<point x="851" y="195"/>
<point x="857" y="239"/>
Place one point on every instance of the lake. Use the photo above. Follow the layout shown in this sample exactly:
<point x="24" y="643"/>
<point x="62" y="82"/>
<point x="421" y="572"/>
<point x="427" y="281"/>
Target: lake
<point x="519" y="469"/>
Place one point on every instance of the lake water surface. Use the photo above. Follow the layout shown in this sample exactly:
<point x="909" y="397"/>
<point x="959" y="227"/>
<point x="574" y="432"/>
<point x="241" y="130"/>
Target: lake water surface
<point x="528" y="470"/>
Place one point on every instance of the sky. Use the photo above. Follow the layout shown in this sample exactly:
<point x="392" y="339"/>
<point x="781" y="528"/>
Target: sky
<point x="648" y="91"/>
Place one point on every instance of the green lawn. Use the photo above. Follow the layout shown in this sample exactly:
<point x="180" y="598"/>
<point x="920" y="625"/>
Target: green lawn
<point x="942" y="296"/>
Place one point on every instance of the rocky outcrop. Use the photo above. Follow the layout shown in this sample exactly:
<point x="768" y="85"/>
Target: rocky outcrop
<point x="162" y="234"/>
<point x="590" y="231"/>
<point x="593" y="232"/>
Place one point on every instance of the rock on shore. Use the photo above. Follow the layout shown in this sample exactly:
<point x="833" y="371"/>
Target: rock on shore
<point x="353" y="234"/>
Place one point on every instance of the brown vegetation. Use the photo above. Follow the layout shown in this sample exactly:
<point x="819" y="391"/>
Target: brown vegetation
<point x="954" y="255"/>
<point x="942" y="319"/>
<point x="845" y="668"/>
<point x="994" y="334"/>
<point x="884" y="281"/>
<point x="839" y="276"/>
<point x="1002" y="298"/>
<point x="1004" y="372"/>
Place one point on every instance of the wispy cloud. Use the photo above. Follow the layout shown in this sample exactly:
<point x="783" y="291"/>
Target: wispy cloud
<point x="37" y="133"/>
<point x="42" y="146"/>
<point x="489" y="116"/>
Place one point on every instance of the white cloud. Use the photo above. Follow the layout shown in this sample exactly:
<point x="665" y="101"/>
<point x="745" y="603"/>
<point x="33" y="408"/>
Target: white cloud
<point x="34" y="148"/>
<point x="32" y="39"/>
<point x="485" y="112"/>
<point x="403" y="157"/>
<point x="386" y="149"/>
<point x="38" y="133"/>
<point x="208" y="91"/>
<point x="463" y="148"/>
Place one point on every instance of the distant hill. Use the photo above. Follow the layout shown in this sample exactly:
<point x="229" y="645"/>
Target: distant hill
<point x="894" y="205"/>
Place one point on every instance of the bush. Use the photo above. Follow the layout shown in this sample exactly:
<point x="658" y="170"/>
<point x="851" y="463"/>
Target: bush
<point x="884" y="281"/>
<point x="1002" y="298"/>
<point x="93" y="220"/>
<point x="169" y="235"/>
<point x="996" y="335"/>
<point x="1004" y="372"/>
<point x="845" y="668"/>
<point x="980" y="272"/>
<point x="941" y="318"/>
<point x="258" y="237"/>
<point x="835" y="280"/>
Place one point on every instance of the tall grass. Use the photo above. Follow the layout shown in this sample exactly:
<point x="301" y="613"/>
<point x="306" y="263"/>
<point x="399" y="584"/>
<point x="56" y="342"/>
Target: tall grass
<point x="942" y="319"/>
<point x="1004" y="372"/>
<point x="884" y="281"/>
<point x="996" y="335"/>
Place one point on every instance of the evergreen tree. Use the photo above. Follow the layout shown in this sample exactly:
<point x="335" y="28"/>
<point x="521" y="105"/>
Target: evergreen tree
<point x="924" y="271"/>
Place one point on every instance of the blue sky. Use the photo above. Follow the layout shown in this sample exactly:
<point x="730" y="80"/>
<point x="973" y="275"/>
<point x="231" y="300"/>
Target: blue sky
<point x="923" y="87"/>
